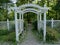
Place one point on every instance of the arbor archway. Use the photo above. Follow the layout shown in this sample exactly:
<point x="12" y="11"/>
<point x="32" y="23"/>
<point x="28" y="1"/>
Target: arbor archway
<point x="29" y="8"/>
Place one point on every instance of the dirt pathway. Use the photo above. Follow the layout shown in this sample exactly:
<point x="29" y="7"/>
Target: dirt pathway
<point x="30" y="38"/>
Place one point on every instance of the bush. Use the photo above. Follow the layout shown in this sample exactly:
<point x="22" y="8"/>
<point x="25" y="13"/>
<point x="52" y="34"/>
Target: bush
<point x="51" y="35"/>
<point x="41" y="34"/>
<point x="9" y="37"/>
<point x="3" y="38"/>
<point x="57" y="27"/>
<point x="3" y="32"/>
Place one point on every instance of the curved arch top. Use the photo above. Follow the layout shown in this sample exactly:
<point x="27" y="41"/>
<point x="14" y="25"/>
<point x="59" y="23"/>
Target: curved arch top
<point x="33" y="5"/>
<point x="30" y="10"/>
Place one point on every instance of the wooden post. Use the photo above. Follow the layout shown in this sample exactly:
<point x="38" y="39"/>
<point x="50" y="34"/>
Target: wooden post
<point x="8" y="24"/>
<point x="44" y="38"/>
<point x="40" y="20"/>
<point x="22" y="23"/>
<point x="20" y="20"/>
<point x="40" y="16"/>
<point x="44" y="27"/>
<point x="16" y="24"/>
<point x="52" y="23"/>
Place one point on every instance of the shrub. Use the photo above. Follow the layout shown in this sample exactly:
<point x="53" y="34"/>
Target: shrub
<point x="52" y="35"/>
<point x="3" y="38"/>
<point x="3" y="32"/>
<point x="41" y="34"/>
<point x="11" y="37"/>
<point x="7" y="37"/>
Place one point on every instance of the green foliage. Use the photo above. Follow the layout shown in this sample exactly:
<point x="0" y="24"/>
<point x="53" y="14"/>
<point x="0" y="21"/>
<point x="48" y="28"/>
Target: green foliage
<point x="57" y="27"/>
<point x="4" y="32"/>
<point x="20" y="2"/>
<point x="6" y="35"/>
<point x="10" y="37"/>
<point x="4" y="1"/>
<point x="52" y="13"/>
<point x="30" y="16"/>
<point x="22" y="36"/>
<point x="35" y="25"/>
<point x="56" y="8"/>
<point x="3" y="14"/>
<point x="52" y="35"/>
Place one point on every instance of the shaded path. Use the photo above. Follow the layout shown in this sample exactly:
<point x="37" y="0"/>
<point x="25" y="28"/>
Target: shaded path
<point x="30" y="38"/>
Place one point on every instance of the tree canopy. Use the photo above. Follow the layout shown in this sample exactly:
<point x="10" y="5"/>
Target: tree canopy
<point x="53" y="12"/>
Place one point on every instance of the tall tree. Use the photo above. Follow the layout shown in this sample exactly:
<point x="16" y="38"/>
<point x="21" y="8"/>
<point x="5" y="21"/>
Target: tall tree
<point x="3" y="7"/>
<point x="57" y="9"/>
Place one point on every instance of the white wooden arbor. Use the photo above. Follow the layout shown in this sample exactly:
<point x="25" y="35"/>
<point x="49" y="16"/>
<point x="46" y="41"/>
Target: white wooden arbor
<point x="28" y="8"/>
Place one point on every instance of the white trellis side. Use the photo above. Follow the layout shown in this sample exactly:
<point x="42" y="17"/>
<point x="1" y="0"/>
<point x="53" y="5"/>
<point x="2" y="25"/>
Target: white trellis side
<point x="21" y="22"/>
<point x="16" y="24"/>
<point x="44" y="38"/>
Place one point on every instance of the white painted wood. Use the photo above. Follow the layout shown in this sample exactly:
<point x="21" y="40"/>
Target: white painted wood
<point x="21" y="12"/>
<point x="16" y="25"/>
<point x="33" y="5"/>
<point x="40" y="17"/>
<point x="30" y="10"/>
<point x="22" y="22"/>
<point x="8" y="24"/>
<point x="40" y="20"/>
<point x="35" y="10"/>
<point x="52" y="23"/>
<point x="44" y="38"/>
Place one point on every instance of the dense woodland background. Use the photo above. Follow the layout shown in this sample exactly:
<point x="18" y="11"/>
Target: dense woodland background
<point x="53" y="12"/>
